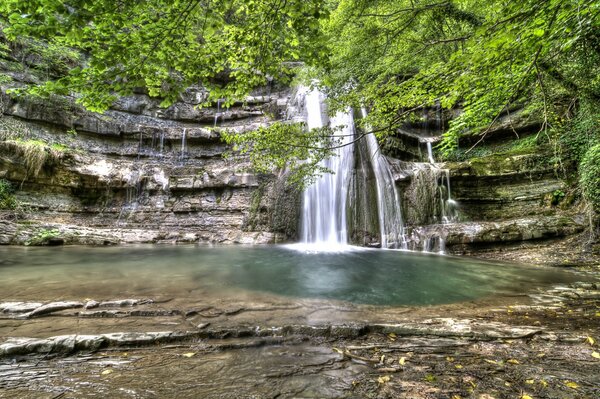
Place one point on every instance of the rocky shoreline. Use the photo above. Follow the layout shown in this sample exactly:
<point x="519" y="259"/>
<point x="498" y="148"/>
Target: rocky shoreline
<point x="541" y="345"/>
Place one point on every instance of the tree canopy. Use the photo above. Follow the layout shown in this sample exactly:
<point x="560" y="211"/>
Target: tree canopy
<point x="392" y="56"/>
<point x="228" y="46"/>
<point x="483" y="57"/>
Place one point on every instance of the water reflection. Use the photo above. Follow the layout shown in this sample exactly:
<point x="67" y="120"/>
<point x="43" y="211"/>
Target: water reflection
<point x="378" y="277"/>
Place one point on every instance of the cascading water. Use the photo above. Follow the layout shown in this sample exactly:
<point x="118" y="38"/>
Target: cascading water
<point x="325" y="216"/>
<point x="183" y="138"/>
<point x="388" y="201"/>
<point x="430" y="152"/>
<point x="218" y="113"/>
<point x="325" y="201"/>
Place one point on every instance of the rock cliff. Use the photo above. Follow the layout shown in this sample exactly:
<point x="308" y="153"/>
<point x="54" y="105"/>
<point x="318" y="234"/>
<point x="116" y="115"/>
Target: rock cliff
<point x="137" y="173"/>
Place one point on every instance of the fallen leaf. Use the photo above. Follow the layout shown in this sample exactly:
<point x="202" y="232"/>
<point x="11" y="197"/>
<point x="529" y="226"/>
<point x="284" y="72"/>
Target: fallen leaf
<point x="490" y="361"/>
<point x="430" y="378"/>
<point x="525" y="397"/>
<point x="382" y="358"/>
<point x="596" y="355"/>
<point x="384" y="379"/>
<point x="456" y="397"/>
<point x="590" y="340"/>
<point x="458" y="366"/>
<point x="543" y="383"/>
<point x="402" y="361"/>
<point x="572" y="384"/>
<point x="106" y="372"/>
<point x="449" y="359"/>
<point x="189" y="354"/>
<point x="529" y="381"/>
<point x="392" y="335"/>
<point x="512" y="361"/>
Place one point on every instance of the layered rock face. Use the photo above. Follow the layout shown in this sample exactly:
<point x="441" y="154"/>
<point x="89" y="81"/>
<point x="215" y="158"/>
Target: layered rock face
<point x="138" y="173"/>
<point x="142" y="173"/>
<point x="485" y="203"/>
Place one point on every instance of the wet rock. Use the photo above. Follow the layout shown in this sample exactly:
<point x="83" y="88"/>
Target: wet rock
<point x="51" y="308"/>
<point x="91" y="304"/>
<point x="124" y="302"/>
<point x="18" y="307"/>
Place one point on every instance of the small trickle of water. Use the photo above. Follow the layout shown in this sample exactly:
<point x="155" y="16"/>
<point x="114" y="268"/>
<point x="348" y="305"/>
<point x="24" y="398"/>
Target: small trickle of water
<point x="430" y="152"/>
<point x="183" y="138"/>
<point x="218" y="114"/>
<point x="162" y="143"/>
<point x="140" y="146"/>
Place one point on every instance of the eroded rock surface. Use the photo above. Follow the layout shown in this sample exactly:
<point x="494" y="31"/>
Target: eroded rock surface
<point x="540" y="345"/>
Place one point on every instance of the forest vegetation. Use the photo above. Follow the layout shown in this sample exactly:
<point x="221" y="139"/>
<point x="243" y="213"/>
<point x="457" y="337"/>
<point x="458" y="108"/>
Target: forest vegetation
<point x="481" y="60"/>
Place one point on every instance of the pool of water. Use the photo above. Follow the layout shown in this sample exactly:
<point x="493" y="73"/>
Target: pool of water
<point x="361" y="276"/>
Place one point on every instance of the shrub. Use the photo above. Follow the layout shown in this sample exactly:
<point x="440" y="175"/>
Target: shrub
<point x="43" y="236"/>
<point x="589" y="176"/>
<point x="7" y="200"/>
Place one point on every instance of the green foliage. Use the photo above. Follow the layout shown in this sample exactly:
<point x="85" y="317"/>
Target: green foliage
<point x="285" y="146"/>
<point x="557" y="197"/>
<point x="43" y="236"/>
<point x="524" y="145"/>
<point x="482" y="57"/>
<point x="51" y="58"/>
<point x="590" y="176"/>
<point x="7" y="199"/>
<point x="4" y="78"/>
<point x="4" y="50"/>
<point x="575" y="136"/>
<point x="228" y="46"/>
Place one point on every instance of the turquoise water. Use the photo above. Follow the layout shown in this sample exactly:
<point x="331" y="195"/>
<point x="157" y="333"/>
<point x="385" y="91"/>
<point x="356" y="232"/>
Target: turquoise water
<point x="362" y="276"/>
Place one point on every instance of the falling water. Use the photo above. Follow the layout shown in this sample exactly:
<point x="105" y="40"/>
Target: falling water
<point x="218" y="112"/>
<point x="430" y="152"/>
<point x="388" y="200"/>
<point x="449" y="206"/>
<point x="183" y="137"/>
<point x="162" y="142"/>
<point x="325" y="201"/>
<point x="140" y="146"/>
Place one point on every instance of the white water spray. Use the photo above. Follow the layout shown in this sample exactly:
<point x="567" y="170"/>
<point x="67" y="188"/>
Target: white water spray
<point x="325" y="201"/>
<point x="388" y="200"/>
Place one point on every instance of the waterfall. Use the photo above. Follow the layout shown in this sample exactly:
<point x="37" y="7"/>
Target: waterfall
<point x="162" y="142"/>
<point x="430" y="152"/>
<point x="218" y="113"/>
<point x="388" y="200"/>
<point x="325" y="201"/>
<point x="433" y="206"/>
<point x="183" y="137"/>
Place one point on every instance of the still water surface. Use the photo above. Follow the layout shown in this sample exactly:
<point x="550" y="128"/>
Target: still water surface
<point x="362" y="276"/>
